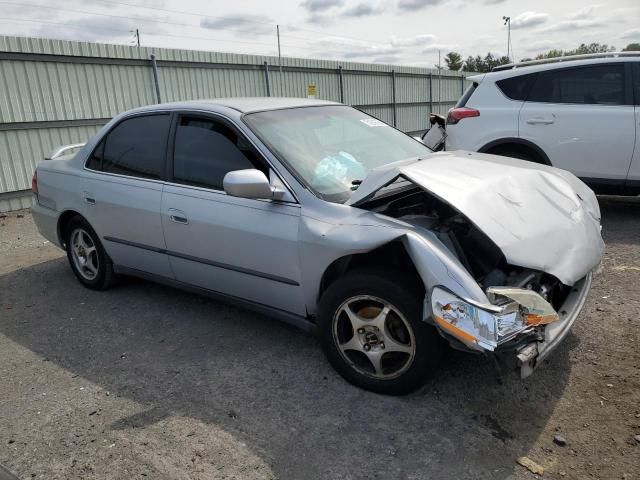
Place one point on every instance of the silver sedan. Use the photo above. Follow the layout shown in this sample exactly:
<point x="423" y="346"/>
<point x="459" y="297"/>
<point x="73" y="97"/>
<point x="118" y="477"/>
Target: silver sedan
<point x="331" y="220"/>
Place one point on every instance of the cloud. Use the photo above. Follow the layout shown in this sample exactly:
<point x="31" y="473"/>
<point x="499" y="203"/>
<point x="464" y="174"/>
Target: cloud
<point x="417" y="40"/>
<point x="585" y="12"/>
<point x="633" y="34"/>
<point x="529" y="19"/>
<point x="320" y="5"/>
<point x="573" y="25"/>
<point x="412" y="5"/>
<point x="239" y="23"/>
<point x="362" y="10"/>
<point x="493" y="2"/>
<point x="322" y="20"/>
<point x="91" y="29"/>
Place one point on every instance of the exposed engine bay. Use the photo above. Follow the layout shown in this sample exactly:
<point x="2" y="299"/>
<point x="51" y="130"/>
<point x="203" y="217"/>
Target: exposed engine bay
<point x="475" y="251"/>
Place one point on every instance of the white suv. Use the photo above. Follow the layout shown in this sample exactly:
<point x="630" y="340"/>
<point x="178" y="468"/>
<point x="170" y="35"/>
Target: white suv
<point x="578" y="113"/>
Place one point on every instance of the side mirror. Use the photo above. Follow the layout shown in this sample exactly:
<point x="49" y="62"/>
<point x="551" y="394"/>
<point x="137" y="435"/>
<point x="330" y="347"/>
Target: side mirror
<point x="249" y="183"/>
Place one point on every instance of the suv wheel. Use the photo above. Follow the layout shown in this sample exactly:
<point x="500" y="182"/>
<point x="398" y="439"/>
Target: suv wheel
<point x="372" y="332"/>
<point x="87" y="257"/>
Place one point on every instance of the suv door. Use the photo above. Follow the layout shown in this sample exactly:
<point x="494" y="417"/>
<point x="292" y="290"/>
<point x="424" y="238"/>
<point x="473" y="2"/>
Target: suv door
<point x="633" y="179"/>
<point x="239" y="247"/>
<point x="583" y="119"/>
<point x="124" y="189"/>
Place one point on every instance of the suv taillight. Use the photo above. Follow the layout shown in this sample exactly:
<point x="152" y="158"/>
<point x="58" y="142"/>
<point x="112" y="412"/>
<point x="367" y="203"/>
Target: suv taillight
<point x="34" y="183"/>
<point x="457" y="114"/>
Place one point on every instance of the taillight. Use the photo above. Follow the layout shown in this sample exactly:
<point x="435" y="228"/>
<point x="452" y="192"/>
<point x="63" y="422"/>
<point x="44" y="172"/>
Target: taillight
<point x="34" y="183"/>
<point x="457" y="114"/>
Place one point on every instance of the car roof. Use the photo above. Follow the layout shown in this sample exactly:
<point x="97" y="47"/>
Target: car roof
<point x="241" y="104"/>
<point x="524" y="69"/>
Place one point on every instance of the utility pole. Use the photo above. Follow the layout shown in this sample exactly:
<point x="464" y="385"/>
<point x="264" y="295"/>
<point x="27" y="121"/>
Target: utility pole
<point x="138" y="37"/>
<point x="507" y="22"/>
<point x="279" y="56"/>
<point x="439" y="80"/>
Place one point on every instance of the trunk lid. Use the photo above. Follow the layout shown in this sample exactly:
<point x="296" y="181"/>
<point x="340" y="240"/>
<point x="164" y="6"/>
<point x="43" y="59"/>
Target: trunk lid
<point x="540" y="217"/>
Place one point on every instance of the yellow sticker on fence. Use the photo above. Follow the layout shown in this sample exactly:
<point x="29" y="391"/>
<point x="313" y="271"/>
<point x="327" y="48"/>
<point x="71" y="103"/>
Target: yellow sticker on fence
<point x="312" y="90"/>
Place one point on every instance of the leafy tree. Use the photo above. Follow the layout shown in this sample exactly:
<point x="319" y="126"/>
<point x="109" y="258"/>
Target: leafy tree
<point x="632" y="47"/>
<point x="583" y="49"/>
<point x="453" y="60"/>
<point x="480" y="64"/>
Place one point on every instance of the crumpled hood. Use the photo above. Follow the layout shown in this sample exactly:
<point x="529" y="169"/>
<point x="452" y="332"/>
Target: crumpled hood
<point x="541" y="217"/>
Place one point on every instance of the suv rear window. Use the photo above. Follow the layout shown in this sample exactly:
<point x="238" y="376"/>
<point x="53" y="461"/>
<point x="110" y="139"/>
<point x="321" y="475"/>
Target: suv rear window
<point x="462" y="101"/>
<point x="592" y="85"/>
<point x="516" y="88"/>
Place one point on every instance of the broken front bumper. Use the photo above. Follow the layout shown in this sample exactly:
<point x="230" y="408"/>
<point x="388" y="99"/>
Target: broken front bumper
<point x="531" y="355"/>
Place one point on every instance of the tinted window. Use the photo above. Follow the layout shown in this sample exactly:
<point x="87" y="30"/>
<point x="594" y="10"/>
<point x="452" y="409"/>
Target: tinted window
<point x="135" y="147"/>
<point x="206" y="150"/>
<point x="594" y="85"/>
<point x="516" y="88"/>
<point x="462" y="101"/>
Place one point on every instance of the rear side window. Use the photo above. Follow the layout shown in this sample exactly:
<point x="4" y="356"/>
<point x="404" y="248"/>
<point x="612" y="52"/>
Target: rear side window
<point x="516" y="88"/>
<point x="135" y="147"/>
<point x="206" y="150"/>
<point x="592" y="85"/>
<point x="462" y="101"/>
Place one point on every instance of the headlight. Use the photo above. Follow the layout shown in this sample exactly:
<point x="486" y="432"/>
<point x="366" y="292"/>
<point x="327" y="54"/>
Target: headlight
<point x="479" y="328"/>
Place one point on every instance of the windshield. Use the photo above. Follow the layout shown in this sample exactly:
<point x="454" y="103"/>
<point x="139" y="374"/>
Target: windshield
<point x="332" y="148"/>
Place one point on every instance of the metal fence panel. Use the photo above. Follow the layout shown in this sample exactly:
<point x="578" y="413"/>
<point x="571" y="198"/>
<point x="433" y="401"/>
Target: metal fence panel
<point x="54" y="92"/>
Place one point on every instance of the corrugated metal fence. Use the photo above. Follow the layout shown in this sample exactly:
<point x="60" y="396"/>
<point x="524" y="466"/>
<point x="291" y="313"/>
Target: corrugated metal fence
<point x="55" y="92"/>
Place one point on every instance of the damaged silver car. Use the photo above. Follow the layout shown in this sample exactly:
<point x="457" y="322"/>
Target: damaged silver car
<point x="331" y="220"/>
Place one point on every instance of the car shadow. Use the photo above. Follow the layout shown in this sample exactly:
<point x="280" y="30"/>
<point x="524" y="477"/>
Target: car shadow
<point x="617" y="212"/>
<point x="268" y="384"/>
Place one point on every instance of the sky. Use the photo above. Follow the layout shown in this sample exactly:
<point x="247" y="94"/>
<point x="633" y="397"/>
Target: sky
<point x="401" y="32"/>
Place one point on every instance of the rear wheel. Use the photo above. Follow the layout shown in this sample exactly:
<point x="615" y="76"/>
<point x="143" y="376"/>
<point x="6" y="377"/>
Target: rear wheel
<point x="87" y="257"/>
<point x="521" y="153"/>
<point x="373" y="334"/>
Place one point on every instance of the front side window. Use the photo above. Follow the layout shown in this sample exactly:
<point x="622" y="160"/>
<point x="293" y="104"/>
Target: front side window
<point x="592" y="85"/>
<point x="206" y="150"/>
<point x="332" y="148"/>
<point x="135" y="147"/>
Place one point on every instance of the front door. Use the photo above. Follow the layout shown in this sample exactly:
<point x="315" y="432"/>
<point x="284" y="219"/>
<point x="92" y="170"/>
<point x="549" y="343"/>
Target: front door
<point x="240" y="247"/>
<point x="583" y="118"/>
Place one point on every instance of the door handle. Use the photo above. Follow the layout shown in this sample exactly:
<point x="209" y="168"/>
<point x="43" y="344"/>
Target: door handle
<point x="88" y="197"/>
<point x="540" y="121"/>
<point x="178" y="216"/>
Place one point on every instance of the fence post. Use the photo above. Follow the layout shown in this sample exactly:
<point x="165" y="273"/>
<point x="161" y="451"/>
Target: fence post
<point x="266" y="78"/>
<point x="430" y="93"/>
<point x="154" y="67"/>
<point x="461" y="84"/>
<point x="341" y="84"/>
<point x="393" y="94"/>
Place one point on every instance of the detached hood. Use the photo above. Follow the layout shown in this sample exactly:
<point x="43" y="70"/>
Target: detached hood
<point x="541" y="217"/>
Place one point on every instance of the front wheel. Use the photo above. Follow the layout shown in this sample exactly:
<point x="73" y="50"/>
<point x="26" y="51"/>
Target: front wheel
<point x="372" y="332"/>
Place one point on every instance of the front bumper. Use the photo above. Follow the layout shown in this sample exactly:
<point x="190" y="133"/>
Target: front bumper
<point x="530" y="355"/>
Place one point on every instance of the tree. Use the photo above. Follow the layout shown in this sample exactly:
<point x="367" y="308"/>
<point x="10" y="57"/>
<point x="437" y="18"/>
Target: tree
<point x="632" y="47"/>
<point x="453" y="60"/>
<point x="583" y="49"/>
<point x="479" y="64"/>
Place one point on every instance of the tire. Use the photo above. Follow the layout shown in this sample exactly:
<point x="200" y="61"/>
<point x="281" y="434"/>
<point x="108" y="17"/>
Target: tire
<point x="87" y="257"/>
<point x="406" y="349"/>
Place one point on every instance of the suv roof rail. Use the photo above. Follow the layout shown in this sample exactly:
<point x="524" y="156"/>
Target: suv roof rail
<point x="567" y="58"/>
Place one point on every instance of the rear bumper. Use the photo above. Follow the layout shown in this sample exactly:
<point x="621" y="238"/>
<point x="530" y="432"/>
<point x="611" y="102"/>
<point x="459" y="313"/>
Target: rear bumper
<point x="46" y="220"/>
<point x="530" y="356"/>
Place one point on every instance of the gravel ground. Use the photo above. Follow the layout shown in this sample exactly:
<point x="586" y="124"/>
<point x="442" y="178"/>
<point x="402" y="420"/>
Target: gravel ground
<point x="143" y="381"/>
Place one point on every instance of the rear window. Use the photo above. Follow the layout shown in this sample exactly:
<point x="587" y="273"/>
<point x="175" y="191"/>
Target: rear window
<point x="516" y="88"/>
<point x="592" y="85"/>
<point x="466" y="95"/>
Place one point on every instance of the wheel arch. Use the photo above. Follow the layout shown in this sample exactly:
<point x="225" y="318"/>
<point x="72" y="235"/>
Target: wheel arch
<point x="392" y="255"/>
<point x="519" y="143"/>
<point x="63" y="221"/>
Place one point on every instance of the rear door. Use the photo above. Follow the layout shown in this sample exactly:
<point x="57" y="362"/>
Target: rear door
<point x="123" y="192"/>
<point x="239" y="247"/>
<point x="633" y="179"/>
<point x="583" y="119"/>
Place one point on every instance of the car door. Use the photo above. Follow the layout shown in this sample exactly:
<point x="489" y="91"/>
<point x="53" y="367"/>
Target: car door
<point x="633" y="179"/>
<point x="123" y="191"/>
<point x="238" y="247"/>
<point x="583" y="119"/>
